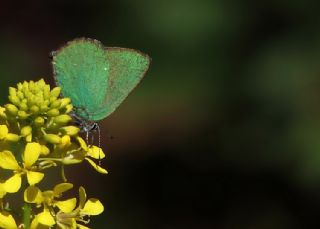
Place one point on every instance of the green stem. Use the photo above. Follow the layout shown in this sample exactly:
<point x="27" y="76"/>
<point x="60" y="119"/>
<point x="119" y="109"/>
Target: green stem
<point x="26" y="215"/>
<point x="63" y="175"/>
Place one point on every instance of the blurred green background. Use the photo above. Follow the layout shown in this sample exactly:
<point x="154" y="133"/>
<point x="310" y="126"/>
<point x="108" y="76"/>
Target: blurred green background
<point x="223" y="132"/>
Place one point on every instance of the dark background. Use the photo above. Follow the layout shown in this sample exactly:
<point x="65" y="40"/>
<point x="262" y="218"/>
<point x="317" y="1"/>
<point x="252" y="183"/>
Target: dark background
<point x="223" y="132"/>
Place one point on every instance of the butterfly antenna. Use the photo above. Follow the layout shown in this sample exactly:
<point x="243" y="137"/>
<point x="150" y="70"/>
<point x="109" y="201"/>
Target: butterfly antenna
<point x="99" y="141"/>
<point x="87" y="136"/>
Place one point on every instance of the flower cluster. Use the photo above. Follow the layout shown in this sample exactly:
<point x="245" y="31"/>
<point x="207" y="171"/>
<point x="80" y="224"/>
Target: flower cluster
<point x="35" y="135"/>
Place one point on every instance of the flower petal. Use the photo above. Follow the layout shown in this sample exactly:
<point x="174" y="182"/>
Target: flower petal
<point x="32" y="194"/>
<point x="8" y="161"/>
<point x="2" y="190"/>
<point x="13" y="184"/>
<point x="34" y="223"/>
<point x="82" y="197"/>
<point x="7" y="221"/>
<point x="62" y="187"/>
<point x="46" y="218"/>
<point x="31" y="153"/>
<point x="96" y="152"/>
<point x="34" y="177"/>
<point x="82" y="143"/>
<point x="97" y="167"/>
<point x="65" y="141"/>
<point x="67" y="205"/>
<point x="92" y="207"/>
<point x="82" y="227"/>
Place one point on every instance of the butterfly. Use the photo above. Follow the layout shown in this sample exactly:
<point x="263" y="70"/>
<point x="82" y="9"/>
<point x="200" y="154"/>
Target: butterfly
<point x="96" y="78"/>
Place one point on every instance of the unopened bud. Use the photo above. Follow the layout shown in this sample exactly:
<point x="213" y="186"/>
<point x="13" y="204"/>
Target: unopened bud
<point x="52" y="138"/>
<point x="55" y="92"/>
<point x="26" y="130"/>
<point x="11" y="109"/>
<point x="39" y="121"/>
<point x="23" y="115"/>
<point x="53" y="112"/>
<point x="12" y="137"/>
<point x="62" y="119"/>
<point x="70" y="130"/>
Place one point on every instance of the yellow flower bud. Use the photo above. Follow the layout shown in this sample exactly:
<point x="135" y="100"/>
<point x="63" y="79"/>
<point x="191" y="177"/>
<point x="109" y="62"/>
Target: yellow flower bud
<point x="31" y="85"/>
<point x="23" y="115"/>
<point x="34" y="109"/>
<point x="12" y="91"/>
<point x="43" y="107"/>
<point x="52" y="138"/>
<point x="62" y="119"/>
<point x="53" y="112"/>
<point x="56" y="104"/>
<point x="65" y="102"/>
<point x="69" y="108"/>
<point x="26" y="130"/>
<point x="20" y="95"/>
<point x="44" y="150"/>
<point x="23" y="106"/>
<point x="55" y="92"/>
<point x="38" y="101"/>
<point x="25" y="86"/>
<point x="31" y="100"/>
<point x="2" y="112"/>
<point x="29" y="138"/>
<point x="29" y="95"/>
<point x="46" y="92"/>
<point x="3" y="131"/>
<point x="39" y="121"/>
<point x="46" y="102"/>
<point x="11" y="109"/>
<point x="41" y="83"/>
<point x="12" y="137"/>
<point x="70" y="130"/>
<point x="19" y="86"/>
<point x="65" y="141"/>
<point x="14" y="99"/>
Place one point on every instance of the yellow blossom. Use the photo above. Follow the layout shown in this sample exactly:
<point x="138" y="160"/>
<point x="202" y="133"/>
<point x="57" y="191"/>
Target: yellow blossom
<point x="87" y="153"/>
<point x="35" y="134"/>
<point x="85" y="208"/>
<point x="30" y="156"/>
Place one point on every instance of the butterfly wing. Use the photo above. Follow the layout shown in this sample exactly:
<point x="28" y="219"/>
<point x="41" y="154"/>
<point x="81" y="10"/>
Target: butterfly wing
<point x="126" y="68"/>
<point x="81" y="70"/>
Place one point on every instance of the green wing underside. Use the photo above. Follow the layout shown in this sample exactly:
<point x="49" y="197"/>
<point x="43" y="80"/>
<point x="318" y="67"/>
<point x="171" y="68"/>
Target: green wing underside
<point x="127" y="68"/>
<point x="97" y="79"/>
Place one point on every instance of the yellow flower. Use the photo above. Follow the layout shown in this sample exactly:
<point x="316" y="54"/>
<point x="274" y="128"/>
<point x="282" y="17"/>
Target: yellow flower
<point x="35" y="134"/>
<point x="86" y="153"/>
<point x="68" y="216"/>
<point x="30" y="156"/>
<point x="7" y="221"/>
<point x="49" y="200"/>
<point x="85" y="208"/>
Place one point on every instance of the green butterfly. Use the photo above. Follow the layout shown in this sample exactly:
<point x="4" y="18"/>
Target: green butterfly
<point x="97" y="78"/>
